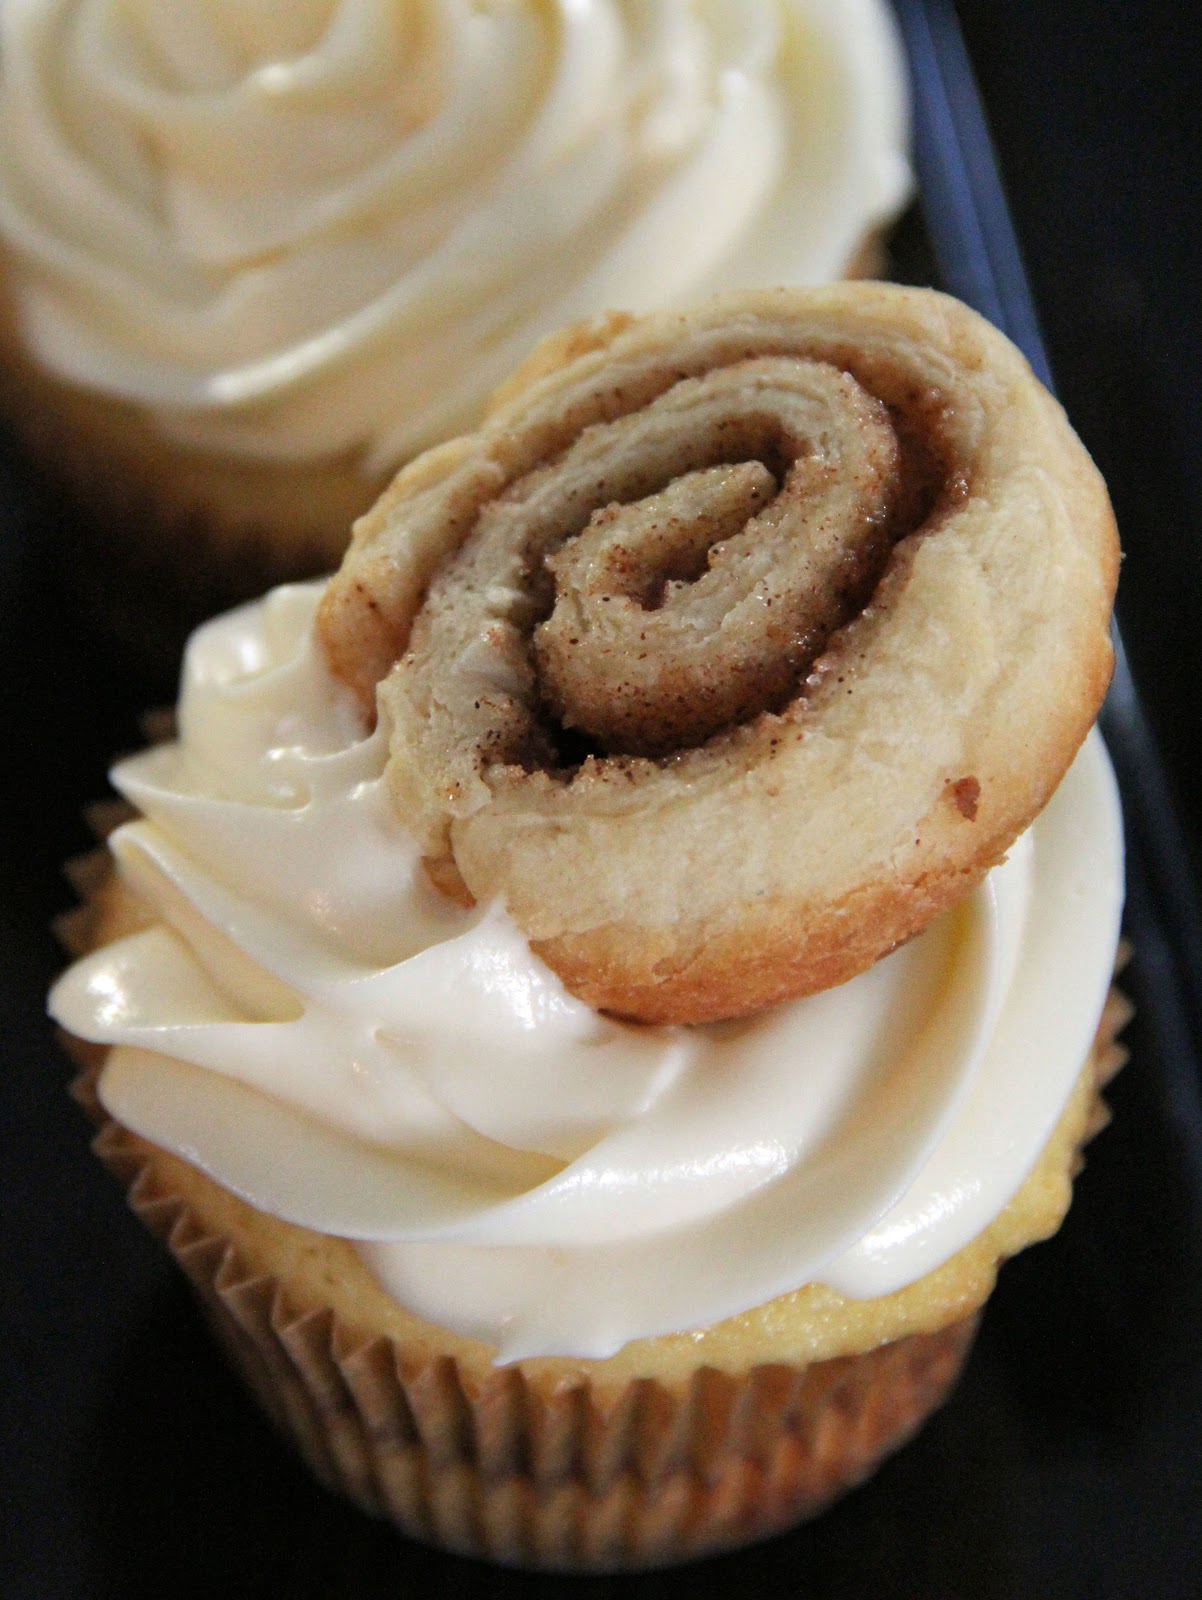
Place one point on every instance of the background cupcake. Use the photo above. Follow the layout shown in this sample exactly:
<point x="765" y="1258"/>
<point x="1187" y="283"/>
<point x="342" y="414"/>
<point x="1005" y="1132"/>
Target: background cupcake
<point x="256" y="257"/>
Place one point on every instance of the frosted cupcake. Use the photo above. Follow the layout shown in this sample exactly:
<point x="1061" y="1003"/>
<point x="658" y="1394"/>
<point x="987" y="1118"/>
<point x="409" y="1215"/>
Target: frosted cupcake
<point x="256" y="257"/>
<point x="535" y="1282"/>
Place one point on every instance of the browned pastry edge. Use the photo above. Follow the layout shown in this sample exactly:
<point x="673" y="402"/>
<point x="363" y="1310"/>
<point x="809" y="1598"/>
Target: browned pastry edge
<point x="673" y="915"/>
<point x="764" y="961"/>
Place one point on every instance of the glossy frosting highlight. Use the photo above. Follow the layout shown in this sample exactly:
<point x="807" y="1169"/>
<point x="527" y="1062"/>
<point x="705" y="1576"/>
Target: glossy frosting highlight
<point x="308" y="1021"/>
<point x="434" y="185"/>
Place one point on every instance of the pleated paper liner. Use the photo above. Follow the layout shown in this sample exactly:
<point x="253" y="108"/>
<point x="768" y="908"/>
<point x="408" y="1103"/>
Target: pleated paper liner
<point x="573" y="1473"/>
<point x="588" y="1476"/>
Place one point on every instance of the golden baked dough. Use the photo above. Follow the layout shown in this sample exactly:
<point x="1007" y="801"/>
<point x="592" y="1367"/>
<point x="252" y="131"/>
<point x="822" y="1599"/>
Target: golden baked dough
<point x="739" y="643"/>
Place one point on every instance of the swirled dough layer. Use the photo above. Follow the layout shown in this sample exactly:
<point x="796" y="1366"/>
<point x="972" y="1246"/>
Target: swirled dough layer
<point x="738" y="643"/>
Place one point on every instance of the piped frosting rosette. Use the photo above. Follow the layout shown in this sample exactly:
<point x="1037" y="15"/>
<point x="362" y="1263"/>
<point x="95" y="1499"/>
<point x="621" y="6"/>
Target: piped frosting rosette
<point x="301" y="228"/>
<point x="737" y="644"/>
<point x="288" y="1005"/>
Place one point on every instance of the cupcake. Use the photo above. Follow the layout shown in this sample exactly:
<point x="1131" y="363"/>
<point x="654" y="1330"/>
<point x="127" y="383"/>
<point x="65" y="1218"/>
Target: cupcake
<point x="256" y="258"/>
<point x="444" y="1017"/>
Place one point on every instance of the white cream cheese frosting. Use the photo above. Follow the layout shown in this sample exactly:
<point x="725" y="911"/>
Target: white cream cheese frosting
<point x="310" y="1023"/>
<point x="300" y="228"/>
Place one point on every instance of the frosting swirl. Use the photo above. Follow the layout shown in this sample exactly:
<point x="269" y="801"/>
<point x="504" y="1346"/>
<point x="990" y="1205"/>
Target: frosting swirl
<point x="305" y="1019"/>
<point x="433" y="186"/>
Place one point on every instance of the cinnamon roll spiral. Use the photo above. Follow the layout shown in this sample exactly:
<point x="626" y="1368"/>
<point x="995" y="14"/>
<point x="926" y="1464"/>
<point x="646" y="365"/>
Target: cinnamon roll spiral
<point x="737" y="644"/>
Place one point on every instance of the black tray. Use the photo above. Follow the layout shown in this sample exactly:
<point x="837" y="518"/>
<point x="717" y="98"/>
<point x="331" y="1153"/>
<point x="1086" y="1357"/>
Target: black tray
<point x="1068" y="1463"/>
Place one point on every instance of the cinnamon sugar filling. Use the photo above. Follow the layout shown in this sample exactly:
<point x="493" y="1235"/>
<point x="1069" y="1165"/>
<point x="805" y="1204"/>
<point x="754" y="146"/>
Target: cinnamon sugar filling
<point x="680" y="570"/>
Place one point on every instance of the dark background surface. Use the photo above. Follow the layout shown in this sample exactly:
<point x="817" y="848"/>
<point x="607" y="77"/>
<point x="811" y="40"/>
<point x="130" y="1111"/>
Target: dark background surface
<point x="1095" y="115"/>
<point x="1070" y="1461"/>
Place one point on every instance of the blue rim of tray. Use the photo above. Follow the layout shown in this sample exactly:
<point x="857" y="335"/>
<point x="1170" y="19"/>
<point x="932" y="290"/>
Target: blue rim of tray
<point x="978" y="259"/>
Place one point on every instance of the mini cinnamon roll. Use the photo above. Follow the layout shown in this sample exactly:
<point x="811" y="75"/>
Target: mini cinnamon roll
<point x="737" y="644"/>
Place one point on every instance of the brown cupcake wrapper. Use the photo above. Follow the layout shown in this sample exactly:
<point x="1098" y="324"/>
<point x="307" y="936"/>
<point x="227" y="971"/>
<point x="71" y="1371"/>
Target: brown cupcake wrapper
<point x="575" y="1477"/>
